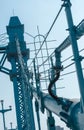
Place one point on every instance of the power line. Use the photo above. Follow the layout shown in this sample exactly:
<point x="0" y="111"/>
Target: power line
<point x="69" y="65"/>
<point x="71" y="56"/>
<point x="47" y="33"/>
<point x="49" y="30"/>
<point x="70" y="72"/>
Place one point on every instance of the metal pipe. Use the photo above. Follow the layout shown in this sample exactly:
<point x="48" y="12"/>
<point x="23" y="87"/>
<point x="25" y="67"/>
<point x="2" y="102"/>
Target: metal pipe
<point x="3" y="114"/>
<point x="70" y="117"/>
<point x="77" y="57"/>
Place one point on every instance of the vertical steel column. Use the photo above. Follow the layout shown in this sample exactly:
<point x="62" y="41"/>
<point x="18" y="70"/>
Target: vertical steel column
<point x="17" y="93"/>
<point x="3" y="111"/>
<point x="37" y="114"/>
<point x="77" y="57"/>
<point x="11" y="127"/>
<point x="17" y="55"/>
<point x="3" y="115"/>
<point x="25" y="76"/>
<point x="53" y="76"/>
<point x="37" y="79"/>
<point x="50" y="121"/>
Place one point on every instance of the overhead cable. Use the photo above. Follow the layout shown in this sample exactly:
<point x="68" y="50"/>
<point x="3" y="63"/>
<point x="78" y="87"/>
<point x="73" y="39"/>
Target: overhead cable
<point x="49" y="30"/>
<point x="47" y="33"/>
<point x="71" y="56"/>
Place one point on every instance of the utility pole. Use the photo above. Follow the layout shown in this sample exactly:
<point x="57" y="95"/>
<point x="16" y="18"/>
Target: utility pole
<point x="11" y="126"/>
<point x="3" y="111"/>
<point x="77" y="57"/>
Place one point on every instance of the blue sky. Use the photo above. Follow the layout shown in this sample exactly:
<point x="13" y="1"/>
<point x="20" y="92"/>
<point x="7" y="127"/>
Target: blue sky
<point x="41" y="13"/>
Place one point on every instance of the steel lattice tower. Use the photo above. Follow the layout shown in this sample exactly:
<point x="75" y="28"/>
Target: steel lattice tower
<point x="19" y="74"/>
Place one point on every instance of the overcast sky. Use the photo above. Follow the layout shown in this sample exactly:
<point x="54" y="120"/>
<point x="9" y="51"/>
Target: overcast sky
<point x="41" y="13"/>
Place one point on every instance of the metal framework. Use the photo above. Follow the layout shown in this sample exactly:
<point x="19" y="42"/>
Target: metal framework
<point x="17" y="54"/>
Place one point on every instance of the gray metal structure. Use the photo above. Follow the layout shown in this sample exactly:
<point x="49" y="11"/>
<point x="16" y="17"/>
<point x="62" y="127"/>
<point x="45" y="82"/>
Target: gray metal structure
<point x="69" y="111"/>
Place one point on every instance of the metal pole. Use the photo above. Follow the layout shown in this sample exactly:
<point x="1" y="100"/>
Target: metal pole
<point x="77" y="57"/>
<point x="3" y="114"/>
<point x="50" y="121"/>
<point x="53" y="76"/>
<point x="37" y="114"/>
<point x="11" y="125"/>
<point x="70" y="117"/>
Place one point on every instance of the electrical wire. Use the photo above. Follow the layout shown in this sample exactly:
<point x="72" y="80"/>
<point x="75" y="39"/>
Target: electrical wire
<point x="63" y="68"/>
<point x="42" y="53"/>
<point x="64" y="73"/>
<point x="69" y="65"/>
<point x="49" y="30"/>
<point x="62" y="61"/>
<point x="71" y="56"/>
<point x="69" y="73"/>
